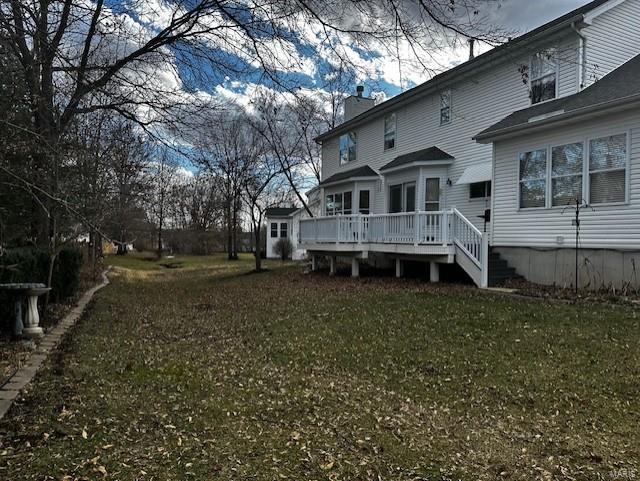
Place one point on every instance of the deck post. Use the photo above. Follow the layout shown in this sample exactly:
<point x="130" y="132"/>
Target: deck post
<point x="416" y="228"/>
<point x="444" y="229"/>
<point x="434" y="272"/>
<point x="332" y="265"/>
<point x="314" y="263"/>
<point x="399" y="268"/>
<point x="355" y="267"/>
<point x="484" y="282"/>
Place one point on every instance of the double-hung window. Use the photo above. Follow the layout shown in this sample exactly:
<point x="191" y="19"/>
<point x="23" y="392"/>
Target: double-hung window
<point x="608" y="169"/>
<point x="389" y="131"/>
<point x="543" y="76"/>
<point x="533" y="179"/>
<point x="347" y="148"/>
<point x="274" y="230"/>
<point x="445" y="107"/>
<point x="284" y="227"/>
<point x="566" y="174"/>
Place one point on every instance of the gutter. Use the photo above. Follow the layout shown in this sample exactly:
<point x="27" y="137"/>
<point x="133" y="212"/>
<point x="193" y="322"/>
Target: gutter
<point x="621" y="104"/>
<point x="582" y="52"/>
<point x="468" y="67"/>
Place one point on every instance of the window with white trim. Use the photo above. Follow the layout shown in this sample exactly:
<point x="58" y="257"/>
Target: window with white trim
<point x="566" y="174"/>
<point x="432" y="194"/>
<point x="389" y="131"/>
<point x="339" y="203"/>
<point x="347" y="148"/>
<point x="608" y="169"/>
<point x="445" y="107"/>
<point x="543" y="75"/>
<point x="274" y="230"/>
<point x="533" y="179"/>
<point x="480" y="190"/>
<point x="364" y="201"/>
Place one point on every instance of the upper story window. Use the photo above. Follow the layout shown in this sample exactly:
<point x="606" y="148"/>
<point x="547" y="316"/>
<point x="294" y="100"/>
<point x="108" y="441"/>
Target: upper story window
<point x="543" y="76"/>
<point x="347" y="148"/>
<point x="389" y="131"/>
<point x="445" y="107"/>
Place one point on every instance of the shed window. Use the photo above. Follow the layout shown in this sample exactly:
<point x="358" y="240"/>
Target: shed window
<point x="363" y="205"/>
<point x="566" y="174"/>
<point x="445" y="107"/>
<point x="284" y="227"/>
<point x="348" y="148"/>
<point x="389" y="131"/>
<point x="274" y="230"/>
<point x="543" y="76"/>
<point x="480" y="190"/>
<point x="533" y="179"/>
<point x="608" y="169"/>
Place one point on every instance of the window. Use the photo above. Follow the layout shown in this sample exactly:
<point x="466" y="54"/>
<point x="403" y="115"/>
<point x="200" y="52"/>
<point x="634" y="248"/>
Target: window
<point x="607" y="169"/>
<point x="533" y="179"/>
<point x="480" y="190"/>
<point x="432" y="195"/>
<point x="410" y="197"/>
<point x="328" y="209"/>
<point x="348" y="148"/>
<point x="445" y="107"/>
<point x="389" y="131"/>
<point x="274" y="230"/>
<point x="395" y="198"/>
<point x="346" y="210"/>
<point x="283" y="229"/>
<point x="363" y="204"/>
<point x="543" y="76"/>
<point x="339" y="204"/>
<point x="566" y="174"/>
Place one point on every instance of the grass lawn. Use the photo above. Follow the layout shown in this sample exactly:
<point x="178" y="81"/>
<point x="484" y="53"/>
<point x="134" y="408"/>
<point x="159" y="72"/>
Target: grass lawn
<point x="205" y="371"/>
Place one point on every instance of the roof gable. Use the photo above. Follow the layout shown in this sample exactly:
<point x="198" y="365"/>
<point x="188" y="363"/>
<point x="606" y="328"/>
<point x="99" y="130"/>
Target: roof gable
<point x="430" y="155"/>
<point x="358" y="173"/>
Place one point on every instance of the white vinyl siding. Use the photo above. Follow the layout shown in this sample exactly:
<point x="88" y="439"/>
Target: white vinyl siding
<point x="614" y="225"/>
<point x="613" y="39"/>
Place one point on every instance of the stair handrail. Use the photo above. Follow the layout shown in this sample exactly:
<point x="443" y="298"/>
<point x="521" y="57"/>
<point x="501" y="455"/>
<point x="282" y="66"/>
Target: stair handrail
<point x="476" y="258"/>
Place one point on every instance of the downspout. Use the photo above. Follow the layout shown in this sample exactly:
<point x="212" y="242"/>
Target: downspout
<point x="582" y="55"/>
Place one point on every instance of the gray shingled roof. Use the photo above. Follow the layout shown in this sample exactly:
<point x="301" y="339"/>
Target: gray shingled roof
<point x="622" y="84"/>
<point x="364" y="171"/>
<point x="466" y="67"/>
<point x="280" y="211"/>
<point x="431" y="154"/>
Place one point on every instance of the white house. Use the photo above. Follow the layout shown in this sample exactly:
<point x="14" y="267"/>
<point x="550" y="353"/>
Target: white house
<point x="285" y="222"/>
<point x="405" y="179"/>
<point x="584" y="148"/>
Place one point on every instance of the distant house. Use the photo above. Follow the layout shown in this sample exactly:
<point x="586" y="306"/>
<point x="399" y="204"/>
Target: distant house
<point x="405" y="179"/>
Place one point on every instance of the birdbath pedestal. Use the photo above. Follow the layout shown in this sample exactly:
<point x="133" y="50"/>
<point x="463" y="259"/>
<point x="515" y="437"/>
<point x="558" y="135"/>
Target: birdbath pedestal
<point x="31" y="325"/>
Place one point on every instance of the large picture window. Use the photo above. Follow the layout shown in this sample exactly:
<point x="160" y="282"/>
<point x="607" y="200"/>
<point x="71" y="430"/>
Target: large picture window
<point x="533" y="179"/>
<point x="566" y="174"/>
<point x="608" y="169"/>
<point x="348" y="148"/>
<point x="543" y="76"/>
<point x="389" y="131"/>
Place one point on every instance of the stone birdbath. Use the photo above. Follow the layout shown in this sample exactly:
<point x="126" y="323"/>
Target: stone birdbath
<point x="19" y="292"/>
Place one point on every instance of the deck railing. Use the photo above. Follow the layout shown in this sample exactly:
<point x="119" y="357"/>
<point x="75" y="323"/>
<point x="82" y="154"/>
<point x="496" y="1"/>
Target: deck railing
<point x="446" y="228"/>
<point x="418" y="228"/>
